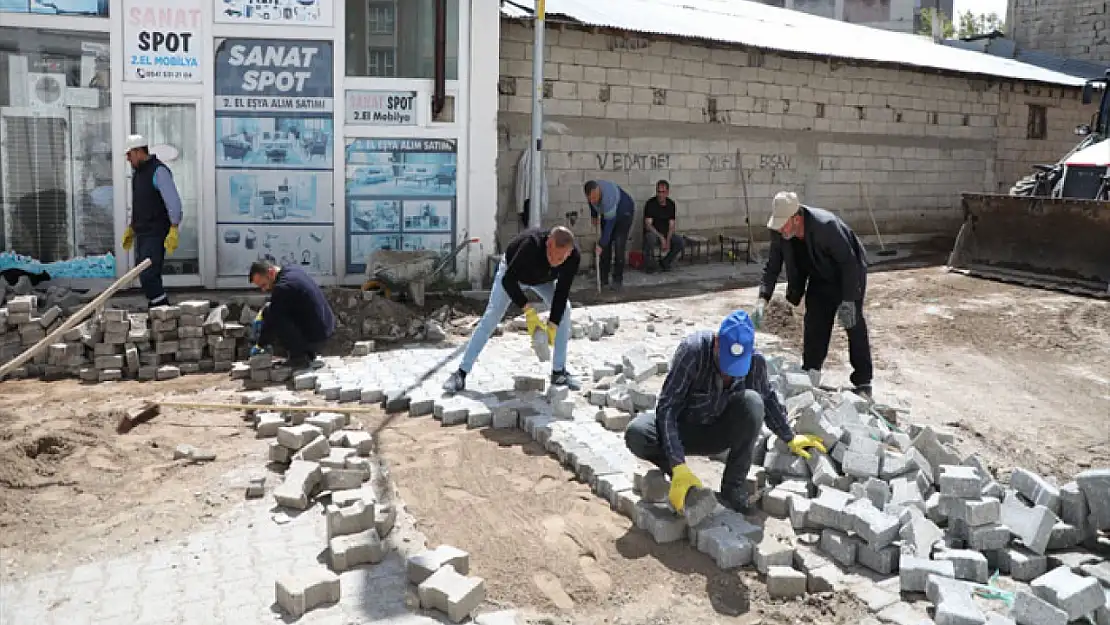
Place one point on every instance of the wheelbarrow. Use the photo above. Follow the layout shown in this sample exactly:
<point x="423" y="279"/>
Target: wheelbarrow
<point x="408" y="272"/>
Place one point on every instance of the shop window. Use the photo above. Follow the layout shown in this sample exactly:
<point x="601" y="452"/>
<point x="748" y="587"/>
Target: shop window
<point x="86" y="8"/>
<point x="396" y="38"/>
<point x="56" y="195"/>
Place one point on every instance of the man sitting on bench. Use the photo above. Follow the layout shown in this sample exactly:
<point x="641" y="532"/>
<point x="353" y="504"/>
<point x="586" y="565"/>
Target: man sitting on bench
<point x="659" y="230"/>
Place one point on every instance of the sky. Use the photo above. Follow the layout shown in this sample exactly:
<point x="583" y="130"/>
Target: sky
<point x="980" y="6"/>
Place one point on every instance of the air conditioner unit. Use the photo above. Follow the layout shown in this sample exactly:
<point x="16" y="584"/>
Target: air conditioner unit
<point x="46" y="90"/>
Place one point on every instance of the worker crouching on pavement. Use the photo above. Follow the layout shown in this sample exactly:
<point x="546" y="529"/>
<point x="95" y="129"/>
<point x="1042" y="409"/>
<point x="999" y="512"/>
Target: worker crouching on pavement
<point x="545" y="262"/>
<point x="716" y="397"/>
<point x="826" y="263"/>
<point x="298" y="316"/>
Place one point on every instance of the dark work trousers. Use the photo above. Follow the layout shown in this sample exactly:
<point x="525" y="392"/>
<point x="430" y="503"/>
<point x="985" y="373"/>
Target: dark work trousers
<point x="737" y="430"/>
<point x="820" y="316"/>
<point x="290" y="336"/>
<point x="152" y="246"/>
<point x="653" y="241"/>
<point x="613" y="254"/>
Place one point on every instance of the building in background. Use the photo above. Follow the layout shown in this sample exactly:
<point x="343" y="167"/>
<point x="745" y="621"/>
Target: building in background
<point x="1074" y="29"/>
<point x="285" y="123"/>
<point x="897" y="15"/>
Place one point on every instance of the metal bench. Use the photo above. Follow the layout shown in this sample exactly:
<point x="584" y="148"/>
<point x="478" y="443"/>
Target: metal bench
<point x="734" y="244"/>
<point x="696" y="246"/>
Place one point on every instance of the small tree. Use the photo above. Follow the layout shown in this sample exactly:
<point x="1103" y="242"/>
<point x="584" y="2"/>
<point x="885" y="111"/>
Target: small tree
<point x="972" y="24"/>
<point x="948" y="30"/>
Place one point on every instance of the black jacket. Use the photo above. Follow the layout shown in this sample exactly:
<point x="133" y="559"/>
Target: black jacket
<point x="298" y="300"/>
<point x="148" y="209"/>
<point x="526" y="259"/>
<point x="829" y="261"/>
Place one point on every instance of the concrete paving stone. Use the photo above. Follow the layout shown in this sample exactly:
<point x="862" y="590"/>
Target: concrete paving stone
<point x="613" y="420"/>
<point x="296" y="437"/>
<point x="828" y="509"/>
<point x="327" y="422"/>
<point x="784" y="582"/>
<point x="396" y="401"/>
<point x="1036" y="489"/>
<point x="421" y="566"/>
<point x="1077" y="596"/>
<point x="861" y="465"/>
<point x="653" y="486"/>
<point x="873" y="596"/>
<point x="806" y="559"/>
<point x="772" y="551"/>
<point x="954" y="605"/>
<point x="361" y="442"/>
<point x="989" y="537"/>
<point x="825" y="579"/>
<point x="343" y="479"/>
<point x="1065" y="536"/>
<point x="628" y="504"/>
<point x="968" y="565"/>
<point x="1099" y="571"/>
<point x="785" y="465"/>
<point x="303" y="591"/>
<point x="993" y="618"/>
<point x="1031" y="610"/>
<point x="821" y="468"/>
<point x="882" y="560"/>
<point x="914" y="572"/>
<point x="301" y="480"/>
<point x="279" y="454"/>
<point x="1032" y="525"/>
<point x="268" y="423"/>
<point x="660" y="521"/>
<point x="896" y="464"/>
<point x="529" y="383"/>
<point x="839" y="546"/>
<point x="1074" y="559"/>
<point x="385" y="519"/>
<point x="1095" y="486"/>
<point x="256" y="488"/>
<point x="727" y="550"/>
<point x="986" y="511"/>
<point x="875" y="527"/>
<point x="348" y="551"/>
<point x="316" y="449"/>
<point x="905" y="493"/>
<point x="777" y="502"/>
<point x="1073" y="506"/>
<point x="903" y="614"/>
<point x="935" y="451"/>
<point x="1102" y="615"/>
<point x="799" y="513"/>
<point x="638" y="365"/>
<point x="960" y="482"/>
<point x="452" y="593"/>
<point x="609" y="487"/>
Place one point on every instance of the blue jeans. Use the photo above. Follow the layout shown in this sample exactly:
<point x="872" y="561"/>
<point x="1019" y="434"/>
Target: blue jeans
<point x="495" y="310"/>
<point x="152" y="246"/>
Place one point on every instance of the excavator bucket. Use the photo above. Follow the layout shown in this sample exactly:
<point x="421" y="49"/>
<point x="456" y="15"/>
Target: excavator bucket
<point x="1053" y="243"/>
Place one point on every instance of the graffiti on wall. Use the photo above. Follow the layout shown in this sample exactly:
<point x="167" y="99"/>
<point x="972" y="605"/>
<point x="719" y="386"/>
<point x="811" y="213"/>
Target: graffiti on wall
<point x="723" y="162"/>
<point x="631" y="161"/>
<point x="630" y="44"/>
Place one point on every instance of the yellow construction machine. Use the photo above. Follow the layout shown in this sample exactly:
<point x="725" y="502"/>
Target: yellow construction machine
<point x="1053" y="229"/>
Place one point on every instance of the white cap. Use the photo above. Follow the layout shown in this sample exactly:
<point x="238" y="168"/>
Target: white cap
<point x="783" y="207"/>
<point x="136" y="141"/>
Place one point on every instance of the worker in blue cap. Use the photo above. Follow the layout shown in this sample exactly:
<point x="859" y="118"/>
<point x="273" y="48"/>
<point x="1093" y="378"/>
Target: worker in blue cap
<point x="716" y="397"/>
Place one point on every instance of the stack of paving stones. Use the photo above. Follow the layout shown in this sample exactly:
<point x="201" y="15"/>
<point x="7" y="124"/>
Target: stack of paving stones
<point x="163" y="344"/>
<point x="443" y="584"/>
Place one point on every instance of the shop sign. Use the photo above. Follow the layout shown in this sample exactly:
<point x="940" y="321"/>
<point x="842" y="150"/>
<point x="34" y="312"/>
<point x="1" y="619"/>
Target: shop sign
<point x="275" y="76"/>
<point x="274" y="12"/>
<point x="163" y="40"/>
<point x="381" y="108"/>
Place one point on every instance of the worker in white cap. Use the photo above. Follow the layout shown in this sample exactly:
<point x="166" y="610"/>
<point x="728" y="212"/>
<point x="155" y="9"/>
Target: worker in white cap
<point x="826" y="263"/>
<point x="155" y="216"/>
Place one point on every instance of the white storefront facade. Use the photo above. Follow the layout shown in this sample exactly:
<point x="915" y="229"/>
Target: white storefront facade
<point x="304" y="131"/>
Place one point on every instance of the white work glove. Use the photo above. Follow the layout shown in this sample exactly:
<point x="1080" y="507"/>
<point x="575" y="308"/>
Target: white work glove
<point x="846" y="315"/>
<point x="757" y="316"/>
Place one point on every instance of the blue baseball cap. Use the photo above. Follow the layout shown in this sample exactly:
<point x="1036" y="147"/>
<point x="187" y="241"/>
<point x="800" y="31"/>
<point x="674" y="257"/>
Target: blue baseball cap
<point x="737" y="343"/>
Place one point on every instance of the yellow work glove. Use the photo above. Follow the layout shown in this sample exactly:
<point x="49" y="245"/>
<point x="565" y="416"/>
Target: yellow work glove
<point x="533" y="320"/>
<point x="171" y="240"/>
<point x="801" y="442"/>
<point x="128" y="238"/>
<point x="682" y="480"/>
<point x="551" y="330"/>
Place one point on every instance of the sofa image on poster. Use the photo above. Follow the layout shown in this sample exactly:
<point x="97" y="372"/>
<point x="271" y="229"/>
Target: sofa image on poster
<point x="374" y="216"/>
<point x="98" y="8"/>
<point x="440" y="243"/>
<point x="362" y="246"/>
<point x="428" y="215"/>
<point x="277" y="196"/>
<point x="274" y="142"/>
<point x="373" y="170"/>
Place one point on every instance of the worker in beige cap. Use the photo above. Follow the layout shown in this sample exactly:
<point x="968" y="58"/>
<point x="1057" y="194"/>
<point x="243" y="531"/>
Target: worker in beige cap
<point x="826" y="263"/>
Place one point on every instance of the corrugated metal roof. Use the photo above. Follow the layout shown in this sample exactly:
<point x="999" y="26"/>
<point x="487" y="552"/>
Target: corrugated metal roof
<point x="1004" y="47"/>
<point x="762" y="26"/>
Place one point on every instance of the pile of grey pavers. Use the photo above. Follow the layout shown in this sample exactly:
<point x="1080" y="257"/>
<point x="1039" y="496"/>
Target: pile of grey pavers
<point x="161" y="344"/>
<point x="899" y="504"/>
<point x="328" y="460"/>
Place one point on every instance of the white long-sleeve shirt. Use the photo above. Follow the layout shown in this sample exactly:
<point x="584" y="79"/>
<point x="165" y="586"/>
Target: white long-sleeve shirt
<point x="524" y="183"/>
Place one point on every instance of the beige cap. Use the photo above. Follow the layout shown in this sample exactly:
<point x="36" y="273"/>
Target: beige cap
<point x="136" y="141"/>
<point x="783" y="207"/>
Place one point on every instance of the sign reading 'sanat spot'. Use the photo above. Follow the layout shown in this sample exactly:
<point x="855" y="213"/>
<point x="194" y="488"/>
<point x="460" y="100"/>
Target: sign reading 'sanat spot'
<point x="274" y="75"/>
<point x="382" y="108"/>
<point x="162" y="40"/>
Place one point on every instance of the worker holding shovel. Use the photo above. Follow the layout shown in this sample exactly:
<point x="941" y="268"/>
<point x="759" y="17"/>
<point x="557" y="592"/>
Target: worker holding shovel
<point x="545" y="262"/>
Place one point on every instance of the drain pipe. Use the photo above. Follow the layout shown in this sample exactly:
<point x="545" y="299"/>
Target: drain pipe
<point x="536" y="144"/>
<point x="439" y="94"/>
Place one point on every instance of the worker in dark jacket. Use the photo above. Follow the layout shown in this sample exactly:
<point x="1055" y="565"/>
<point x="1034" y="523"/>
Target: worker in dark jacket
<point x="545" y="262"/>
<point x="155" y="216"/>
<point x="613" y="209"/>
<point x="826" y="263"/>
<point x="297" y="316"/>
<point x="717" y="397"/>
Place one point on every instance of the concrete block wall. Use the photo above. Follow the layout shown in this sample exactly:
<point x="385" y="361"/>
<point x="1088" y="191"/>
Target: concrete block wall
<point x="1078" y="29"/>
<point x="635" y="110"/>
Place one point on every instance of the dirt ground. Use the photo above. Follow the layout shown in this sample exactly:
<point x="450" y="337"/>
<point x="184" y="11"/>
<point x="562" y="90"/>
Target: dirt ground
<point x="1016" y="373"/>
<point x="73" y="489"/>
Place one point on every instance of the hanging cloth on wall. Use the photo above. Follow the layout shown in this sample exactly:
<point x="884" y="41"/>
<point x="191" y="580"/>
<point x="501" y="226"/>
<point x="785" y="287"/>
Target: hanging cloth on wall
<point x="524" y="187"/>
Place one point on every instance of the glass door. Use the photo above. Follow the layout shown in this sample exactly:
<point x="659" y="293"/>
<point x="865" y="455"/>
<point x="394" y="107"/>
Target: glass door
<point x="173" y="132"/>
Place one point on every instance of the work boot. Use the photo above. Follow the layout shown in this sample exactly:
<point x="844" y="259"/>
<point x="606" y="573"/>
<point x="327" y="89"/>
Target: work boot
<point x="299" y="362"/>
<point x="864" y="391"/>
<point x="562" y="378"/>
<point x="456" y="383"/>
<point x="814" y="376"/>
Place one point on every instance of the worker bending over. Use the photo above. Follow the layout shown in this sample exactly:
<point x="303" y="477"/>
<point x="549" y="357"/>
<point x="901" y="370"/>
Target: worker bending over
<point x="613" y="210"/>
<point x="826" y="263"/>
<point x="546" y="263"/>
<point x="297" y="316"/>
<point x="716" y="397"/>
